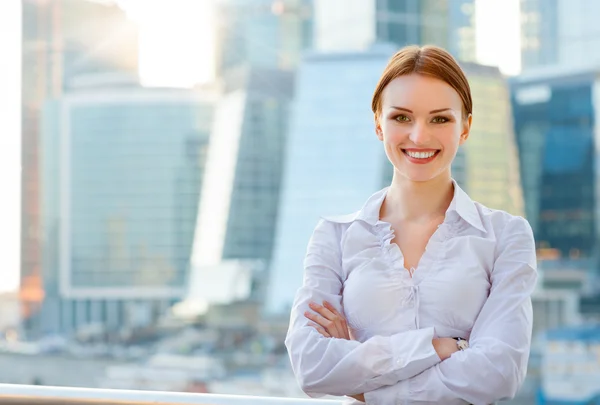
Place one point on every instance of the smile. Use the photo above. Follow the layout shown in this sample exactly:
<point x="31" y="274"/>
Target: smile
<point x="420" y="157"/>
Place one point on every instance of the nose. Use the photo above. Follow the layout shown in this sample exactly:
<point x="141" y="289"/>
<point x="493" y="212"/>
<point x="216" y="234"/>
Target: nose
<point x="419" y="134"/>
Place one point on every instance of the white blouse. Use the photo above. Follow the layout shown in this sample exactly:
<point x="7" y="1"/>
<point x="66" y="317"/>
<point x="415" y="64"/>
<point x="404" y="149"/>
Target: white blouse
<point x="473" y="281"/>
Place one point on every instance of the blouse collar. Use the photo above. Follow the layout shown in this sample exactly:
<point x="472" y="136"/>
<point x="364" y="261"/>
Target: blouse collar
<point x="461" y="204"/>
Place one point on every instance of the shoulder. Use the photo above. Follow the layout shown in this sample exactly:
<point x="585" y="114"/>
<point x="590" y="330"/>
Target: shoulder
<point x="331" y="228"/>
<point x="341" y="219"/>
<point x="513" y="234"/>
<point x="503" y="223"/>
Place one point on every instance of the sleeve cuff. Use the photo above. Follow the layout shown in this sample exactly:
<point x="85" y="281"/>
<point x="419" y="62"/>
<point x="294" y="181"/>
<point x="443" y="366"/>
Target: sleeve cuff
<point x="413" y="352"/>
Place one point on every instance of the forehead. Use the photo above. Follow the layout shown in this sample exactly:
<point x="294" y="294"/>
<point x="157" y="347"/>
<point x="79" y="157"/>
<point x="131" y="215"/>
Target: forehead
<point x="420" y="92"/>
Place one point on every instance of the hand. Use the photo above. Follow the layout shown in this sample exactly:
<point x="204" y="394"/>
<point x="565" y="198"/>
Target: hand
<point x="445" y="347"/>
<point x="329" y="322"/>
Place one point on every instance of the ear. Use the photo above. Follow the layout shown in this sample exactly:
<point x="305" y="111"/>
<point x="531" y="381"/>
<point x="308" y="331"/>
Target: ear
<point x="466" y="130"/>
<point x="378" y="129"/>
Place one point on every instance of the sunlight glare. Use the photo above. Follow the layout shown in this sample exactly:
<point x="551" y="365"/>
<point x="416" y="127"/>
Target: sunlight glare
<point x="176" y="41"/>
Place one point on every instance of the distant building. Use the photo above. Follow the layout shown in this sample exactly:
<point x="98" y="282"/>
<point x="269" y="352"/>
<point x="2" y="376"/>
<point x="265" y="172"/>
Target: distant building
<point x="570" y="366"/>
<point x="490" y="166"/>
<point x="559" y="33"/>
<point x="263" y="34"/>
<point x="240" y="193"/>
<point x="556" y="115"/>
<point x="61" y="38"/>
<point x="121" y="179"/>
<point x="355" y="25"/>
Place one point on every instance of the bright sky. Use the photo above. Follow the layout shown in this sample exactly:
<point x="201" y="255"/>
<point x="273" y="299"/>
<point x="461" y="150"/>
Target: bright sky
<point x="175" y="48"/>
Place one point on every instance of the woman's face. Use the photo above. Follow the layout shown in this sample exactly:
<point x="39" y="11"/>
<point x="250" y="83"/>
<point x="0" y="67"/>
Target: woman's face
<point x="421" y="126"/>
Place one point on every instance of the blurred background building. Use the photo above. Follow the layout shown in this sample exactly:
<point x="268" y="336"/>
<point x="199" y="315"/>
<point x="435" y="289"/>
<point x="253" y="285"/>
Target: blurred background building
<point x="245" y="161"/>
<point x="121" y="182"/>
<point x="490" y="166"/>
<point x="559" y="32"/>
<point x="61" y="38"/>
<point x="262" y="33"/>
<point x="555" y="117"/>
<point x="446" y="23"/>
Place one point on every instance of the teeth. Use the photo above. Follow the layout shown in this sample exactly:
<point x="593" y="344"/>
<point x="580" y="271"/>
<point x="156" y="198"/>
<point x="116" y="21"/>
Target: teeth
<point x="420" y="155"/>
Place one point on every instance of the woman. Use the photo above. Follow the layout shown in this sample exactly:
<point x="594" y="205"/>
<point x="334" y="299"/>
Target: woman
<point x="423" y="295"/>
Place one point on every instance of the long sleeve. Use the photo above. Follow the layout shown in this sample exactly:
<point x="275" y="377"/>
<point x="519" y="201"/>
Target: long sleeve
<point x="495" y="365"/>
<point x="345" y="367"/>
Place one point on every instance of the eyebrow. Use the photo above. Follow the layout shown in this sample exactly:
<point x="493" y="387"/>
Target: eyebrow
<point x="439" y="110"/>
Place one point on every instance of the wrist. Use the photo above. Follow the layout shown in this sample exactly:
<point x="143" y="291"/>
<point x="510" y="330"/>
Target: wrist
<point x="461" y="343"/>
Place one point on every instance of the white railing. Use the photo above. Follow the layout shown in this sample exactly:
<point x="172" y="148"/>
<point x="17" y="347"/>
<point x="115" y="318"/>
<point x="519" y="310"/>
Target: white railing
<point x="41" y="395"/>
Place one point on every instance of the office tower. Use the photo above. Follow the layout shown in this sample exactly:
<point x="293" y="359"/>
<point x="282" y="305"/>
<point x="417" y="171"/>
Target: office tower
<point x="240" y="191"/>
<point x="262" y="33"/>
<point x="555" y="116"/>
<point x="60" y="38"/>
<point x="354" y="25"/>
<point x="559" y="32"/>
<point x="121" y="175"/>
<point x="490" y="161"/>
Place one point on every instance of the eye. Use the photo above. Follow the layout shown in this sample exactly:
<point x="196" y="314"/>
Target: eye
<point x="402" y="118"/>
<point x="440" y="120"/>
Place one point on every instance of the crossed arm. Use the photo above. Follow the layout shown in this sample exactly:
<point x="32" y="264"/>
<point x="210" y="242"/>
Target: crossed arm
<point x="406" y="366"/>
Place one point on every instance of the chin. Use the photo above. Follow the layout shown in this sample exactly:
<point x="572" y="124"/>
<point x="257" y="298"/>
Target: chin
<point x="419" y="175"/>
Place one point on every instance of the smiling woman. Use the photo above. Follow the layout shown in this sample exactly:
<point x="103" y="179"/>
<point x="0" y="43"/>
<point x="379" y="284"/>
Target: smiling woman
<point x="176" y="41"/>
<point x="422" y="295"/>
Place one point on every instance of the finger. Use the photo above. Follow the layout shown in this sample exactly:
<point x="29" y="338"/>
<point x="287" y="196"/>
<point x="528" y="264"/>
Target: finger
<point x="332" y="309"/>
<point x="326" y="313"/>
<point x="338" y="321"/>
<point x="344" y="324"/>
<point x="328" y="325"/>
<point x="320" y="330"/>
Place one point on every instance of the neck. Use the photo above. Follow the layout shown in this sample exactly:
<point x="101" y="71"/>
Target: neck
<point x="417" y="201"/>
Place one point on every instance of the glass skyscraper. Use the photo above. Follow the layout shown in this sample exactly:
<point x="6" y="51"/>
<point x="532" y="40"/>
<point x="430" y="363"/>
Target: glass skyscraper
<point x="559" y="32"/>
<point x="556" y="122"/>
<point x="61" y="38"/>
<point x="121" y="178"/>
<point x="489" y="167"/>
<point x="262" y="33"/>
<point x="245" y="158"/>
<point x="354" y="25"/>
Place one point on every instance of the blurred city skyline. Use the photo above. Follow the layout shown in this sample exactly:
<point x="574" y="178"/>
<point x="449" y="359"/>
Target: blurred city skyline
<point x="161" y="63"/>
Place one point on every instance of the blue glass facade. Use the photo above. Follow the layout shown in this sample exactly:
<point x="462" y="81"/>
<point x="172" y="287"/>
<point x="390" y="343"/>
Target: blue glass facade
<point x="554" y="121"/>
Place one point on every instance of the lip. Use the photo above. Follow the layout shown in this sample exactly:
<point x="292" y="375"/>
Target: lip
<point x="420" y="161"/>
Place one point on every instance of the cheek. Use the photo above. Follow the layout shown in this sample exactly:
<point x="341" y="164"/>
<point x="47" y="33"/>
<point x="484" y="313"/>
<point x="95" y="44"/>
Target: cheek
<point x="393" y="134"/>
<point x="449" y="138"/>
